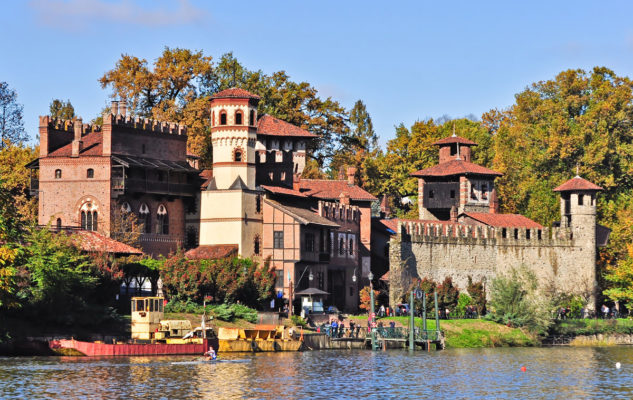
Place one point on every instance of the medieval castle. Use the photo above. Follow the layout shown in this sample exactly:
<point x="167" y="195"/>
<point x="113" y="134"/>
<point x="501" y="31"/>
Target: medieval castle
<point x="317" y="234"/>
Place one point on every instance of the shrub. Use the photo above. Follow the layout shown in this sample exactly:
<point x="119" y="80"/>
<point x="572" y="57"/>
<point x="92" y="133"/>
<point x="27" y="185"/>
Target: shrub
<point x="297" y="320"/>
<point x="463" y="301"/>
<point x="247" y="313"/>
<point x="477" y="292"/>
<point x="223" y="312"/>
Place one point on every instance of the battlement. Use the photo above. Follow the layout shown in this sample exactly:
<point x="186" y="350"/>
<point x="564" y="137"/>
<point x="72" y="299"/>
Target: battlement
<point x="337" y="211"/>
<point x="65" y="125"/>
<point x="412" y="231"/>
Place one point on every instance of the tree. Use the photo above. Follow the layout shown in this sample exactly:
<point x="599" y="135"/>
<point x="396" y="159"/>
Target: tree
<point x="15" y="179"/>
<point x="447" y="295"/>
<point x="621" y="278"/>
<point x="11" y="124"/>
<point x="365" y="298"/>
<point x="477" y="292"/>
<point x="60" y="109"/>
<point x="125" y="226"/>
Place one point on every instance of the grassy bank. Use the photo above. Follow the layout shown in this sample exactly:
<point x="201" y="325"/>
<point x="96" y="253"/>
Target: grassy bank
<point x="469" y="333"/>
<point x="584" y="327"/>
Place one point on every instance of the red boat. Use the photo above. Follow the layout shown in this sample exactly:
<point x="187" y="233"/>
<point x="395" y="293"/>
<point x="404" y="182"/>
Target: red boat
<point x="71" y="347"/>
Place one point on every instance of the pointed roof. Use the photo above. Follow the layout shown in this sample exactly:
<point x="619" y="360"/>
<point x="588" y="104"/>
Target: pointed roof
<point x="455" y="139"/>
<point x="235" y="93"/>
<point x="577" y="183"/>
<point x="268" y="125"/>
<point x="237" y="184"/>
<point x="455" y="167"/>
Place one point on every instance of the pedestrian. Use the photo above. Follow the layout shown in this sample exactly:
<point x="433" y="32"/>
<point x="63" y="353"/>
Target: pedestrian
<point x="351" y="328"/>
<point x="382" y="311"/>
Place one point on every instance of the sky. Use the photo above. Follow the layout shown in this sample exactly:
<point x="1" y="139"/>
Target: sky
<point x="406" y="60"/>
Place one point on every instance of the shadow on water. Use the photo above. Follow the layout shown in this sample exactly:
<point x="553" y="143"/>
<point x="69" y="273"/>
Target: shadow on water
<point x="551" y="373"/>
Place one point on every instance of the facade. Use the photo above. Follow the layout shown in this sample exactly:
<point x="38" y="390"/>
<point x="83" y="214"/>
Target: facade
<point x="91" y="177"/>
<point x="461" y="234"/>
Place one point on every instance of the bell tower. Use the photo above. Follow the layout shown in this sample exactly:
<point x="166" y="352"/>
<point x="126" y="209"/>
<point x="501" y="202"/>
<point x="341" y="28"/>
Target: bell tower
<point x="233" y="136"/>
<point x="230" y="207"/>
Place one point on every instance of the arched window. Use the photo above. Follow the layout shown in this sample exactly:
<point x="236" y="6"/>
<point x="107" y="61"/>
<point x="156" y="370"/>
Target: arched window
<point x="257" y="245"/>
<point x="238" y="117"/>
<point x="145" y="218"/>
<point x="238" y="155"/>
<point x="89" y="217"/>
<point x="90" y="173"/>
<point x="341" y="247"/>
<point x="223" y="118"/>
<point x="125" y="207"/>
<point x="251" y="118"/>
<point x="162" y="225"/>
<point x="58" y="174"/>
<point x="351" y="247"/>
<point x="59" y="224"/>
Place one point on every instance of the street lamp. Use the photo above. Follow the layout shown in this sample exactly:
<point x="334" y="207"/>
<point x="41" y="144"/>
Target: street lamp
<point x="372" y="316"/>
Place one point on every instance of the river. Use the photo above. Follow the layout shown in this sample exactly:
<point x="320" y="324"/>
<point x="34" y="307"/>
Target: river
<point x="550" y="373"/>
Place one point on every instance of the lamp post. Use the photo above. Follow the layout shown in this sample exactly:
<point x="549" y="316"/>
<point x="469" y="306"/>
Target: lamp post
<point x="372" y="316"/>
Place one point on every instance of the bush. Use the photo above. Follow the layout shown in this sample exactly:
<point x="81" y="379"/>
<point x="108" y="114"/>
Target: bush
<point x="297" y="320"/>
<point x="514" y="301"/>
<point x="223" y="312"/>
<point x="247" y="313"/>
<point x="463" y="301"/>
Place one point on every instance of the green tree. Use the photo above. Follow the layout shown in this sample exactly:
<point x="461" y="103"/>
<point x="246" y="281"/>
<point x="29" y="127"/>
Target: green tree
<point x="11" y="124"/>
<point x="15" y="178"/>
<point x="60" y="109"/>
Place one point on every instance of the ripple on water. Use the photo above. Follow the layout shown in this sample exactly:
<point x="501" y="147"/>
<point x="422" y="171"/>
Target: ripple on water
<point x="551" y="373"/>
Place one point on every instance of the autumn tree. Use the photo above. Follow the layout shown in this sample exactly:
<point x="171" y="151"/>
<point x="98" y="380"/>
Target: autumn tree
<point x="15" y="178"/>
<point x="365" y="298"/>
<point x="60" y="109"/>
<point x="11" y="112"/>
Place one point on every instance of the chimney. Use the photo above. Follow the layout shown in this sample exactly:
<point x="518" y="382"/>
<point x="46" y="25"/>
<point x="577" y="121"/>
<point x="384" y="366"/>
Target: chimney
<point x="114" y="108"/>
<point x="296" y="182"/>
<point x="77" y="144"/>
<point x="351" y="172"/>
<point x="453" y="214"/>
<point x="494" y="202"/>
<point x="385" y="209"/>
<point x="123" y="108"/>
<point x="341" y="174"/>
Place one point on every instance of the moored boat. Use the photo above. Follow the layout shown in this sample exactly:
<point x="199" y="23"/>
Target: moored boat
<point x="259" y="338"/>
<point x="71" y="347"/>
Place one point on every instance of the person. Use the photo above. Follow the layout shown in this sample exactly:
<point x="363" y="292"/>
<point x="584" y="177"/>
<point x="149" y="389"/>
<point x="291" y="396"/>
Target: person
<point x="382" y="311"/>
<point x="351" y="328"/>
<point x="334" y="328"/>
<point x="210" y="354"/>
<point x="605" y="311"/>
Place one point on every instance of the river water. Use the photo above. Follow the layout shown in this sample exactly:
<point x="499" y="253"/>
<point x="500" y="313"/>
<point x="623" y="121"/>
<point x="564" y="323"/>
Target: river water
<point x="550" y="373"/>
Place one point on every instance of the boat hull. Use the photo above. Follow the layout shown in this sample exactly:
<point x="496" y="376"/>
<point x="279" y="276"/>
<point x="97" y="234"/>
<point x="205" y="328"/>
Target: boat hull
<point x="72" y="347"/>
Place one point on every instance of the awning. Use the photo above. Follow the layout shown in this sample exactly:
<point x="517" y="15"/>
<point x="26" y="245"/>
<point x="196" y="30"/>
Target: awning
<point x="311" y="292"/>
<point x="35" y="164"/>
<point x="165" y="165"/>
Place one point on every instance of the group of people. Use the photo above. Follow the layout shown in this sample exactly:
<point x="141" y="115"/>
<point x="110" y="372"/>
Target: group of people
<point x="610" y="313"/>
<point x="337" y="329"/>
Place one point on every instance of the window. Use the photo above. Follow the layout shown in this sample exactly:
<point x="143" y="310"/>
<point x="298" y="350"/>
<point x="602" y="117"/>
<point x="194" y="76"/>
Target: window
<point x="279" y="278"/>
<point x="251" y="118"/>
<point x="452" y="194"/>
<point x="278" y="239"/>
<point x="330" y="244"/>
<point x="238" y="118"/>
<point x="237" y="155"/>
<point x="58" y="174"/>
<point x="322" y="240"/>
<point x="258" y="204"/>
<point x="283" y="175"/>
<point x="89" y="220"/>
<point x="162" y="225"/>
<point x="95" y="220"/>
<point x="516" y="233"/>
<point x="341" y="246"/>
<point x="504" y="233"/>
<point x="309" y="242"/>
<point x="453" y="149"/>
<point x="528" y="234"/>
<point x="223" y="118"/>
<point x="145" y="218"/>
<point x="431" y="194"/>
<point x="351" y="246"/>
<point x="539" y="234"/>
<point x="90" y="173"/>
<point x="257" y="245"/>
<point x="484" y="192"/>
<point x="59" y="224"/>
<point x="580" y="199"/>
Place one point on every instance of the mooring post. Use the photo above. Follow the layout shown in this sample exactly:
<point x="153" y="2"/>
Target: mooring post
<point x="411" y="323"/>
<point x="437" y="317"/>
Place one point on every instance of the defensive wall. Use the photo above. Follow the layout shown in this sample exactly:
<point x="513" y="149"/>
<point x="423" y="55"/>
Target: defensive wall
<point x="559" y="259"/>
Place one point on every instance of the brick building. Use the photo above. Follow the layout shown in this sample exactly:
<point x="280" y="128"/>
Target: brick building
<point x="91" y="176"/>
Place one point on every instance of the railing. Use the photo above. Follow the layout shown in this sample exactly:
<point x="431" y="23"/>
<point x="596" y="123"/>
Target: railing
<point x="346" y="332"/>
<point x="151" y="186"/>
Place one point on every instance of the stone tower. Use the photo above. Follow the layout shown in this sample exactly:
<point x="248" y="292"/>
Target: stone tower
<point x="230" y="208"/>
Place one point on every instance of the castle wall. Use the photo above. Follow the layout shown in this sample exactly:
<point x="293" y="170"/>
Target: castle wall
<point x="555" y="255"/>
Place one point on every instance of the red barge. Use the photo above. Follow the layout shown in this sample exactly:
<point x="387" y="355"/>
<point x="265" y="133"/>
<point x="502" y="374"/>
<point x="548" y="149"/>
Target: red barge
<point x="71" y="347"/>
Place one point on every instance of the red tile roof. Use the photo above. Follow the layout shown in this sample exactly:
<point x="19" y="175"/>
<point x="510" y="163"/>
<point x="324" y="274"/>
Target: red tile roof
<point x="272" y="126"/>
<point x="455" y="167"/>
<point x="207" y="175"/>
<point x="455" y="139"/>
<point x="385" y="277"/>
<point x="332" y="189"/>
<point x="235" y="93"/>
<point x="283" y="190"/>
<point x="91" y="146"/>
<point x="504" y="220"/>
<point x="212" y="252"/>
<point x="577" y="183"/>
<point x="95" y="242"/>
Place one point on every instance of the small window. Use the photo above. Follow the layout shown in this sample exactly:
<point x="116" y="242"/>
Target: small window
<point x="351" y="247"/>
<point x="539" y="235"/>
<point x="452" y="194"/>
<point x="528" y="234"/>
<point x="59" y="224"/>
<point x="504" y="233"/>
<point x="238" y="156"/>
<point x="58" y="174"/>
<point x="258" y="204"/>
<point x="431" y="194"/>
<point x="162" y="225"/>
<point x="283" y="175"/>
<point x="95" y="221"/>
<point x="257" y="245"/>
<point x="238" y="118"/>
<point x="580" y="199"/>
<point x="223" y="118"/>
<point x="251" y="118"/>
<point x="453" y="149"/>
<point x="90" y="173"/>
<point x="278" y="239"/>
<point x="309" y="244"/>
<point x="516" y="233"/>
<point x="484" y="192"/>
<point x="341" y="247"/>
<point x="145" y="218"/>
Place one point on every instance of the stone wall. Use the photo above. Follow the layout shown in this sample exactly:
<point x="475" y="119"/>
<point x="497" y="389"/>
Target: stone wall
<point x="436" y="251"/>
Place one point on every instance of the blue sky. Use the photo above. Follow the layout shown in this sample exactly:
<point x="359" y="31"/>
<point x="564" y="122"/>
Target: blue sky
<point x="406" y="60"/>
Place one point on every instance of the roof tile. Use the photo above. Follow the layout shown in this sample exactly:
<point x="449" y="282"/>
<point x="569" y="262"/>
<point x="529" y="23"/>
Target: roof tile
<point x="268" y="125"/>
<point x="212" y="252"/>
<point x="455" y="139"/>
<point x="235" y="93"/>
<point x="577" y="183"/>
<point x="331" y="190"/>
<point x="504" y="220"/>
<point x="455" y="167"/>
<point x="95" y="242"/>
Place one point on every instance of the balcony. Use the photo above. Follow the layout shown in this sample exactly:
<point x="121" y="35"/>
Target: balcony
<point x="120" y="186"/>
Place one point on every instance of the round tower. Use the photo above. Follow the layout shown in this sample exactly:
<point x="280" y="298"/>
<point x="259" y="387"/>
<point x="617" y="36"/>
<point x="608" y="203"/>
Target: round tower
<point x="578" y="208"/>
<point x="233" y="136"/>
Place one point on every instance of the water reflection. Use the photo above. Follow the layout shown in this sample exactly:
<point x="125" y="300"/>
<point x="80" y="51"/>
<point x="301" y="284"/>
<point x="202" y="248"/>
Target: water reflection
<point x="551" y="373"/>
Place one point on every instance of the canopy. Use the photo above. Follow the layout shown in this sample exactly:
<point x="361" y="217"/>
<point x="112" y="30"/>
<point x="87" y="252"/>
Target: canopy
<point x="311" y="291"/>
